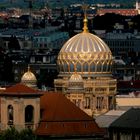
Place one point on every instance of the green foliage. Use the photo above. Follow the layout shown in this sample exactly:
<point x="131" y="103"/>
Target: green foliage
<point x="27" y="134"/>
<point x="10" y="134"/>
<point x="13" y="134"/>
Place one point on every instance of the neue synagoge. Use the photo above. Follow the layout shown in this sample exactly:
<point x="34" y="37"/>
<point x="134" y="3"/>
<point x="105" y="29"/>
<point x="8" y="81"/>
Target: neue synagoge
<point x="84" y="77"/>
<point x="85" y="73"/>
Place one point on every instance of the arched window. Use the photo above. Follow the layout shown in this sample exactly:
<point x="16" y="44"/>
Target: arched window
<point x="92" y="67"/>
<point x="85" y="67"/>
<point x="29" y="114"/>
<point x="105" y="66"/>
<point x="79" y="67"/>
<point x="65" y="67"/>
<point x="99" y="66"/>
<point x="10" y="112"/>
<point x="99" y="102"/>
<point x="71" y="67"/>
<point x="87" y="102"/>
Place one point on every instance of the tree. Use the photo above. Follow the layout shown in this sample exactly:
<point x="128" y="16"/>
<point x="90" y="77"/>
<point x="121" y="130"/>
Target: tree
<point x="13" y="43"/>
<point x="107" y="21"/>
<point x="27" y="134"/>
<point x="13" y="134"/>
<point x="10" y="134"/>
<point x="136" y="22"/>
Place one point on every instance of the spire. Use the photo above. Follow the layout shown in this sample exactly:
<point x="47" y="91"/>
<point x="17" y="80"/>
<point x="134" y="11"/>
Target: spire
<point x="85" y="28"/>
<point x="28" y="68"/>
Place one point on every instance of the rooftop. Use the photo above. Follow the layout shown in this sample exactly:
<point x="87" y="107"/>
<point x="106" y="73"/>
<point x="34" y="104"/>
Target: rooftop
<point x="130" y="119"/>
<point x="20" y="90"/>
<point x="62" y="118"/>
<point x="106" y="119"/>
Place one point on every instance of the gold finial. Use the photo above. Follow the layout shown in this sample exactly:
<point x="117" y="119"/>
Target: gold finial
<point x="85" y="28"/>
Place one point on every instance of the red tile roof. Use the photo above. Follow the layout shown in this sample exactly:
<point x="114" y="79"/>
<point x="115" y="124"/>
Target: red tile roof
<point x="62" y="118"/>
<point x="20" y="90"/>
<point x="125" y="12"/>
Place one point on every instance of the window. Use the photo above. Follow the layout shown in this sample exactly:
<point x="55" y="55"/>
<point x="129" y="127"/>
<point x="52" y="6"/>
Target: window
<point x="32" y="59"/>
<point x="99" y="66"/>
<point x="29" y="114"/>
<point x="115" y="136"/>
<point x="78" y="67"/>
<point x="125" y="136"/>
<point x="87" y="102"/>
<point x="71" y="67"/>
<point x="85" y="67"/>
<point x="110" y="102"/>
<point x="99" y="104"/>
<point x="78" y="103"/>
<point x="65" y="67"/>
<point x="92" y="67"/>
<point x="10" y="114"/>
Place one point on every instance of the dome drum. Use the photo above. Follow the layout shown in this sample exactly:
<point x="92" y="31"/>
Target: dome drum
<point x="94" y="67"/>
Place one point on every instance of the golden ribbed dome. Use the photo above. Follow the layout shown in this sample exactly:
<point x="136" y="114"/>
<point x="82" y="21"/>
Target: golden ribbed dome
<point x="87" y="52"/>
<point x="85" y="43"/>
<point x="75" y="82"/>
<point x="29" y="78"/>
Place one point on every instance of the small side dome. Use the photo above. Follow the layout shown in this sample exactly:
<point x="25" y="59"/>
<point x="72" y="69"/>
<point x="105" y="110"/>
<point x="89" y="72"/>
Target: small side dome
<point x="76" y="78"/>
<point x="76" y="82"/>
<point x="29" y="79"/>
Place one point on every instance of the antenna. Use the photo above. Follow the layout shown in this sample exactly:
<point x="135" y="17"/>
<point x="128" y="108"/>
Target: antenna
<point x="85" y="28"/>
<point x="84" y="7"/>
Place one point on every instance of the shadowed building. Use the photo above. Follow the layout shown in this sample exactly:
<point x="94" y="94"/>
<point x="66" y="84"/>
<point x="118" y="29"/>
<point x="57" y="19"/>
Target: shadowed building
<point x="127" y="126"/>
<point x="85" y="73"/>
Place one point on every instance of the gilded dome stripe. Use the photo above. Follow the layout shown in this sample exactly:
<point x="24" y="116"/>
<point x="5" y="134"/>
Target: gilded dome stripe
<point x="85" y="42"/>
